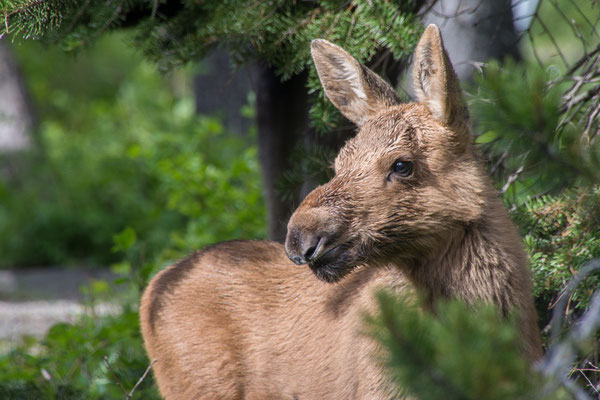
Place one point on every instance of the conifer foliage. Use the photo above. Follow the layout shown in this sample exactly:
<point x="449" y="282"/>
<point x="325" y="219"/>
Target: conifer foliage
<point x="31" y="18"/>
<point x="469" y="353"/>
<point x="277" y="33"/>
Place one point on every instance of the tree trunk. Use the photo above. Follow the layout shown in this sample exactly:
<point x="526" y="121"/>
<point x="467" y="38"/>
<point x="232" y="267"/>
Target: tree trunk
<point x="281" y="111"/>
<point x="16" y="116"/>
<point x="221" y="90"/>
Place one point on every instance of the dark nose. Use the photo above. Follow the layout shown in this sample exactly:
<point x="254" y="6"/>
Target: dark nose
<point x="302" y="246"/>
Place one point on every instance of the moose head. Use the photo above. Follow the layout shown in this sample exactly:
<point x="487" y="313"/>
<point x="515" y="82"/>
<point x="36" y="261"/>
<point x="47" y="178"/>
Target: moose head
<point x="406" y="182"/>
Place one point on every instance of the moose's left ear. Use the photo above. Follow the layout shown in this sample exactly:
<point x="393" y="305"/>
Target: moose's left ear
<point x="435" y="82"/>
<point x="353" y="88"/>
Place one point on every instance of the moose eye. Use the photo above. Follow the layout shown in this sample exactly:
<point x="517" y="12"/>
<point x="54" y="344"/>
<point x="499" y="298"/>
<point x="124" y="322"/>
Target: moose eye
<point x="403" y="168"/>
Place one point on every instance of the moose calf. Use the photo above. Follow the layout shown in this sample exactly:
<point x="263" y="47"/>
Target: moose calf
<point x="410" y="206"/>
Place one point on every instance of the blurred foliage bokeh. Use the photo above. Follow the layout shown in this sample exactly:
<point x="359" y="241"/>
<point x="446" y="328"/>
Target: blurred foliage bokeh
<point x="117" y="148"/>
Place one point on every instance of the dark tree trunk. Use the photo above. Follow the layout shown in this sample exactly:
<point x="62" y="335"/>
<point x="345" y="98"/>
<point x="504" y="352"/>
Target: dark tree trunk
<point x="221" y="90"/>
<point x="282" y="110"/>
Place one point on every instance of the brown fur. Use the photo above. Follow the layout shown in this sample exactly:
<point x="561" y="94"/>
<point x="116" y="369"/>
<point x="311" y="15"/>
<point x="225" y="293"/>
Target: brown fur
<point x="239" y="320"/>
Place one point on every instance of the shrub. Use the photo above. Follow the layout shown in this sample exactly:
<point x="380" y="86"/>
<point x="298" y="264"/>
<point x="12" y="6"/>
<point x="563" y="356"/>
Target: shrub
<point x="562" y="233"/>
<point x="135" y="156"/>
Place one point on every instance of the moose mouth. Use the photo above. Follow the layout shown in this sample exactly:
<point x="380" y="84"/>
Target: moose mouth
<point x="333" y="265"/>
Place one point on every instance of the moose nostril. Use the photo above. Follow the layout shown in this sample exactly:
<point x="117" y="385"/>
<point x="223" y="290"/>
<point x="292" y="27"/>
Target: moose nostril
<point x="303" y="247"/>
<point x="311" y="252"/>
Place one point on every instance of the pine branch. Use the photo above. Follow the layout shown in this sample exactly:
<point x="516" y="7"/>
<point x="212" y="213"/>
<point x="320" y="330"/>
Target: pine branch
<point x="32" y="18"/>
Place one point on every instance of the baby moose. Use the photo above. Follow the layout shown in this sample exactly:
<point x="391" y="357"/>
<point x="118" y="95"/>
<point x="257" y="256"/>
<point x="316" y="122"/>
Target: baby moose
<point x="409" y="207"/>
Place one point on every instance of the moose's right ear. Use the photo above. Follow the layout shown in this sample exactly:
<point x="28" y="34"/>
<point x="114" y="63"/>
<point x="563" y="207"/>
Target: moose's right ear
<point x="435" y="82"/>
<point x="353" y="88"/>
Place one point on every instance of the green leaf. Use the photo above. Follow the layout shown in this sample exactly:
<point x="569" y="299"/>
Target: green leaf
<point x="124" y="240"/>
<point x="486" y="137"/>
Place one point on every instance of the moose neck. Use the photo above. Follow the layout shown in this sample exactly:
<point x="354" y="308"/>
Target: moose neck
<point x="482" y="261"/>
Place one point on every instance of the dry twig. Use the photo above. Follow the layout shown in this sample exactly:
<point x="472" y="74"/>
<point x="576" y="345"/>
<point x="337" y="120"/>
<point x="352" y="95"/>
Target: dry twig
<point x="141" y="379"/>
<point x="129" y="395"/>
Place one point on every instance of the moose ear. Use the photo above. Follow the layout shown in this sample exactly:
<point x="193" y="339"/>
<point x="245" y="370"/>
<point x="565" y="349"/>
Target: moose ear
<point x="353" y="88"/>
<point x="435" y="82"/>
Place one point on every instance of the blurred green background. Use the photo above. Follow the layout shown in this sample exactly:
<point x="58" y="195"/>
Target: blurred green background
<point x="120" y="146"/>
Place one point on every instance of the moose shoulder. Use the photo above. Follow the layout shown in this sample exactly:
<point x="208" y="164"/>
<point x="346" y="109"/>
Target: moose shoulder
<point x="409" y="207"/>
